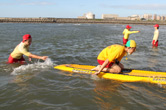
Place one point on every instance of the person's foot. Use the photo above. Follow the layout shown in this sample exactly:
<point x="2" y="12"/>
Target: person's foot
<point x="68" y="65"/>
<point x="96" y="68"/>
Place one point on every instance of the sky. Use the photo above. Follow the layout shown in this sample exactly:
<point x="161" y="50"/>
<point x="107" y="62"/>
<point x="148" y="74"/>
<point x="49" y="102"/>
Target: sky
<point x="75" y="8"/>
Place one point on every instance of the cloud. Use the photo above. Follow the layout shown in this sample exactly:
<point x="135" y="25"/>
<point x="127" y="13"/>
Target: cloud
<point x="25" y="2"/>
<point x="137" y="7"/>
<point x="38" y="3"/>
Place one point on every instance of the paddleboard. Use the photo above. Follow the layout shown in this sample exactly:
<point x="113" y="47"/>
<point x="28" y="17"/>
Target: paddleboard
<point x="127" y="75"/>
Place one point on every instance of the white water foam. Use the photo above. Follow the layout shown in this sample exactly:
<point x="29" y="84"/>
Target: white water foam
<point x="30" y="68"/>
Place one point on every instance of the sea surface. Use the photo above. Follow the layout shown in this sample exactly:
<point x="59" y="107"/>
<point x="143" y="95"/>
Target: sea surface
<point x="38" y="86"/>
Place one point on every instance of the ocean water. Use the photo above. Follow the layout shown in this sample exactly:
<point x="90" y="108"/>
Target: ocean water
<point x="38" y="86"/>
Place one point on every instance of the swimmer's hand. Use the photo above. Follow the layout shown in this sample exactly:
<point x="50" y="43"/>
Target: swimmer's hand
<point x="96" y="73"/>
<point x="44" y="57"/>
<point x="30" y="59"/>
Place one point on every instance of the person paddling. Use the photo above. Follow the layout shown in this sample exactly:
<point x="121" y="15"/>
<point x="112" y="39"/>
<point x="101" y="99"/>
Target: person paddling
<point x="23" y="49"/>
<point x="110" y="57"/>
<point x="126" y="34"/>
<point x="156" y="35"/>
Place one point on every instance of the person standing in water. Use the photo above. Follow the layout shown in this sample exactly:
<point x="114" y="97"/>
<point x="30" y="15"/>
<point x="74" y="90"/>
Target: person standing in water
<point x="23" y="49"/>
<point x="110" y="57"/>
<point x="156" y="35"/>
<point x="126" y="34"/>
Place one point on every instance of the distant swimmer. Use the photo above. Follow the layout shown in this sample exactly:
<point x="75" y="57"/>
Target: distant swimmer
<point x="110" y="57"/>
<point x="23" y="49"/>
<point x="156" y="36"/>
<point x="126" y="34"/>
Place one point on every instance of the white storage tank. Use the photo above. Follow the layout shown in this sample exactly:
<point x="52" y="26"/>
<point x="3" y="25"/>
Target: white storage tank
<point x="90" y="15"/>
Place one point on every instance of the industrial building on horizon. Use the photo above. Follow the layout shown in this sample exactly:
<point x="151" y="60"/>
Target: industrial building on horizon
<point x="90" y="15"/>
<point x="87" y="16"/>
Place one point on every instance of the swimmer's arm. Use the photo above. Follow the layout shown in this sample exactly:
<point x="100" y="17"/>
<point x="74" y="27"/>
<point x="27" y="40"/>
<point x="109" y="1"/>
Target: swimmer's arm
<point x="131" y="32"/>
<point x="37" y="57"/>
<point x="24" y="50"/>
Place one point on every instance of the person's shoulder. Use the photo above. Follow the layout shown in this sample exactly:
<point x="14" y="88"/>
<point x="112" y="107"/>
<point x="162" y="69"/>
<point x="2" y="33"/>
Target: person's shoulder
<point x="121" y="46"/>
<point x="156" y="31"/>
<point x="125" y="29"/>
<point x="118" y="45"/>
<point x="118" y="48"/>
<point x="22" y="45"/>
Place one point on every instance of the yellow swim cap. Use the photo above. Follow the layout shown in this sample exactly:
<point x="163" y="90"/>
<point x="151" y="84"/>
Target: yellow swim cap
<point x="131" y="43"/>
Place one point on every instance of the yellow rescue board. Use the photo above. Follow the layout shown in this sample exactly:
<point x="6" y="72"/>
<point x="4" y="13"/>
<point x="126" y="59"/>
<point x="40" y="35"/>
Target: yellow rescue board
<point x="127" y="75"/>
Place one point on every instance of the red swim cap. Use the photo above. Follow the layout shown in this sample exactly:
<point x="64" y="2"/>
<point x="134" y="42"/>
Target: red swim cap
<point x="128" y="27"/>
<point x="26" y="37"/>
<point x="156" y="25"/>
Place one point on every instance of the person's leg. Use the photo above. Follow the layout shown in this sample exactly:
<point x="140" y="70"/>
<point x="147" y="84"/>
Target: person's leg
<point x="96" y="68"/>
<point x="114" y="69"/>
<point x="121" y="65"/>
<point x="22" y="60"/>
<point x="156" y="44"/>
<point x="11" y="59"/>
<point x="124" y="41"/>
<point x="99" y="66"/>
<point x="153" y="42"/>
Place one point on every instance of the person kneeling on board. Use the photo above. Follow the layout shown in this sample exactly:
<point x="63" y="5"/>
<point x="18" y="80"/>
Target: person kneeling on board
<point x="23" y="49"/>
<point x="110" y="57"/>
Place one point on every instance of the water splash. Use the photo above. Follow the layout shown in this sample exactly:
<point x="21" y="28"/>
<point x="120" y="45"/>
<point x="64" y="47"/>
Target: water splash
<point x="31" y="68"/>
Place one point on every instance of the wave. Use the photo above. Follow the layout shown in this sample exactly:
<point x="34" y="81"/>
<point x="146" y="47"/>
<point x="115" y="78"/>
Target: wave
<point x="30" y="68"/>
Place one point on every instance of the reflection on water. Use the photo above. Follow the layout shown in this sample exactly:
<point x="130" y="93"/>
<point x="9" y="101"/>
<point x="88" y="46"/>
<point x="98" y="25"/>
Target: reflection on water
<point x="20" y="80"/>
<point x="153" y="58"/>
<point x="105" y="91"/>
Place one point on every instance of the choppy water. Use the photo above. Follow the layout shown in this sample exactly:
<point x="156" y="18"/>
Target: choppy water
<point x="38" y="86"/>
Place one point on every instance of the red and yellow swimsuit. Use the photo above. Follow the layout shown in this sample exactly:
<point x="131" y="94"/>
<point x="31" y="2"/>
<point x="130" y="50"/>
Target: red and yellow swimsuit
<point x="126" y="34"/>
<point x="17" y="55"/>
<point x="155" y="38"/>
<point x="111" y="53"/>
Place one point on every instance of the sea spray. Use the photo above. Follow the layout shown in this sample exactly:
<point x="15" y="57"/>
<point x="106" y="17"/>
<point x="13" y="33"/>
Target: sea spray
<point x="30" y="68"/>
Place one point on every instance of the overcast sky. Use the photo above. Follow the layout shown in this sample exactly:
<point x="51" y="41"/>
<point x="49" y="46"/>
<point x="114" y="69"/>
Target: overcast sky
<point x="75" y="8"/>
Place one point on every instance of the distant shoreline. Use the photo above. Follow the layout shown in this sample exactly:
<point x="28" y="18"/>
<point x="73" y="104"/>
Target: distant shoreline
<point x="78" y="21"/>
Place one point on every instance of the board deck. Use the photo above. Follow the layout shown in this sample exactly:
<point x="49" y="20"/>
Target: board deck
<point x="127" y="75"/>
